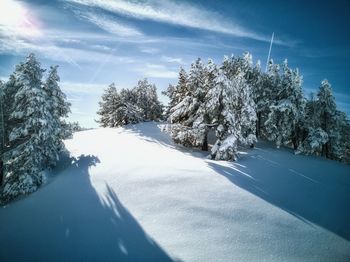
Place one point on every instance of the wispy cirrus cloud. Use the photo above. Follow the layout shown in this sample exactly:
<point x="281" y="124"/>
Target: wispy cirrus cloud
<point x="74" y="89"/>
<point x="71" y="55"/>
<point x="110" y="24"/>
<point x="169" y="59"/>
<point x="157" y="71"/>
<point x="171" y="12"/>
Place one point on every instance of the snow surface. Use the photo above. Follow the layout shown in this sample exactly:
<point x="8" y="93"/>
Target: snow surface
<point x="130" y="194"/>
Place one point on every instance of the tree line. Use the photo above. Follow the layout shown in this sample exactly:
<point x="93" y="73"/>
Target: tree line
<point x="236" y="99"/>
<point x="129" y="106"/>
<point x="242" y="103"/>
<point x="32" y="127"/>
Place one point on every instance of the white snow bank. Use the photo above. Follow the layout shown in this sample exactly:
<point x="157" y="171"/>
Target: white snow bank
<point x="130" y="194"/>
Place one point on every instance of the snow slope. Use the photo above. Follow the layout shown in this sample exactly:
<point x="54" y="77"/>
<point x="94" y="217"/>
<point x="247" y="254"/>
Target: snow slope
<point x="129" y="194"/>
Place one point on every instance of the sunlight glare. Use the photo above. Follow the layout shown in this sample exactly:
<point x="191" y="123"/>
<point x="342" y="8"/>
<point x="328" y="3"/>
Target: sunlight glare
<point x="16" y="19"/>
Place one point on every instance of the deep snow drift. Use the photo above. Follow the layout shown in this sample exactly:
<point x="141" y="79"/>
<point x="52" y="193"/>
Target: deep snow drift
<point x="130" y="194"/>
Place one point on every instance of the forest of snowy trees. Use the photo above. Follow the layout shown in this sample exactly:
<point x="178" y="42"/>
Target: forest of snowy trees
<point x="126" y="106"/>
<point x="235" y="100"/>
<point x="32" y="127"/>
<point x="242" y="103"/>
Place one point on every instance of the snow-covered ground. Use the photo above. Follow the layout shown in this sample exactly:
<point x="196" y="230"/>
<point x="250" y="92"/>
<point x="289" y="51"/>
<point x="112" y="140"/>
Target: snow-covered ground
<point x="130" y="194"/>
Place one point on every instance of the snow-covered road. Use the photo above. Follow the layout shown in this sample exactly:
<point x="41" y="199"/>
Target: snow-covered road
<point x="130" y="194"/>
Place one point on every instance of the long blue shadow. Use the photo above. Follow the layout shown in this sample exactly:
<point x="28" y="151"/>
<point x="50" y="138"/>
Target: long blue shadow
<point x="313" y="189"/>
<point x="68" y="221"/>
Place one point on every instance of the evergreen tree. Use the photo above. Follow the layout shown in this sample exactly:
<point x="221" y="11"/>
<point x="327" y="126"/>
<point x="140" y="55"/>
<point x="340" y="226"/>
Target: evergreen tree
<point x="181" y="99"/>
<point x="59" y="109"/>
<point x="203" y="114"/>
<point x="338" y="136"/>
<point x="190" y="116"/>
<point x="191" y="94"/>
<point x="129" y="106"/>
<point x="181" y="89"/>
<point x="325" y="128"/>
<point x="126" y="111"/>
<point x="262" y="93"/>
<point x="2" y="131"/>
<point x="236" y="116"/>
<point x="108" y="106"/>
<point x="155" y="109"/>
<point x="313" y="136"/>
<point x="147" y="100"/>
<point x="29" y="130"/>
<point x="286" y="112"/>
<point x="327" y="109"/>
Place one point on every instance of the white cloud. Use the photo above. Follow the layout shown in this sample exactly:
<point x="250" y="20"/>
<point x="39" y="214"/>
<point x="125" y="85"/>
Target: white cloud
<point x="74" y="89"/>
<point x="176" y="13"/>
<point x="49" y="50"/>
<point x="157" y="71"/>
<point x="149" y="50"/>
<point x="109" y="24"/>
<point x="177" y="60"/>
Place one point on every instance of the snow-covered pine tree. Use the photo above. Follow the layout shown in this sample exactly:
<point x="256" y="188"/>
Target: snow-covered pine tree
<point x="108" y="106"/>
<point x="177" y="93"/>
<point x="9" y="90"/>
<point x="313" y="137"/>
<point x="170" y="92"/>
<point x="261" y="89"/>
<point x="29" y="125"/>
<point x="182" y="97"/>
<point x="326" y="130"/>
<point x="339" y="136"/>
<point x="181" y="89"/>
<point x="202" y="116"/>
<point x="127" y="112"/>
<point x="2" y="131"/>
<point x="233" y="104"/>
<point x="75" y="127"/>
<point x="344" y="127"/>
<point x="147" y="100"/>
<point x="140" y="92"/>
<point x="189" y="118"/>
<point x="286" y="112"/>
<point x="327" y="109"/>
<point x="59" y="109"/>
<point x="155" y="109"/>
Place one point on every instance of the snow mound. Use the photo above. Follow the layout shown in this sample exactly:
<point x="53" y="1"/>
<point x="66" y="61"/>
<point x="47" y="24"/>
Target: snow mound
<point x="130" y="194"/>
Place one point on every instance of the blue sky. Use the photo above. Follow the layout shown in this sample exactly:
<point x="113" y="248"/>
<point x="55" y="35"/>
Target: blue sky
<point x="96" y="42"/>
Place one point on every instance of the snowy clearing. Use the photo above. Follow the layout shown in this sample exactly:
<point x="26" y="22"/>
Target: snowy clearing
<point x="130" y="194"/>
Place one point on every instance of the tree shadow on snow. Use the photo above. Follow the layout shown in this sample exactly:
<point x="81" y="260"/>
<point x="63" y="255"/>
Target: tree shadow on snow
<point x="68" y="220"/>
<point x="151" y="132"/>
<point x="314" y="190"/>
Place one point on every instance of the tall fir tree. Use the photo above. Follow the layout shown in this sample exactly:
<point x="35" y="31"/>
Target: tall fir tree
<point x="327" y="109"/>
<point x="286" y="112"/>
<point x="108" y="105"/>
<point x="29" y="125"/>
<point x="127" y="111"/>
<point x="313" y="137"/>
<point x="147" y="100"/>
<point x="170" y="92"/>
<point x="190" y="116"/>
<point x="2" y="132"/>
<point x="59" y="110"/>
<point x="236" y="116"/>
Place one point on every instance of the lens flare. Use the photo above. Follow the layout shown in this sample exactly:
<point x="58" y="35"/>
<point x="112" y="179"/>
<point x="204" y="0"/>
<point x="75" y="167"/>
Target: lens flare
<point x="18" y="20"/>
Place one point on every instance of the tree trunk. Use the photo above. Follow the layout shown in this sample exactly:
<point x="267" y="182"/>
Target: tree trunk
<point x="205" y="141"/>
<point x="295" y="138"/>
<point x="1" y="172"/>
<point x="258" y="123"/>
<point x="295" y="144"/>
